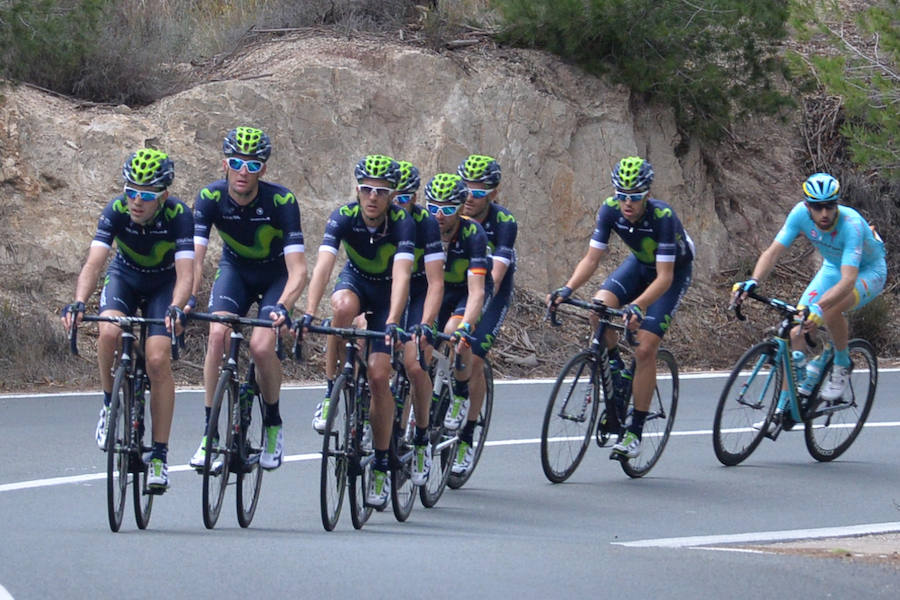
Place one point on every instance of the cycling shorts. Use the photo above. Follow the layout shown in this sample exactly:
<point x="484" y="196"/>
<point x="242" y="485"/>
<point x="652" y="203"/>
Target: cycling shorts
<point x="869" y="283"/>
<point x="374" y="297"/>
<point x="236" y="288"/>
<point x="125" y="290"/>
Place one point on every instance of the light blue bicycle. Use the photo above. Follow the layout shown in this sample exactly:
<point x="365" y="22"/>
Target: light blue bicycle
<point x="750" y="409"/>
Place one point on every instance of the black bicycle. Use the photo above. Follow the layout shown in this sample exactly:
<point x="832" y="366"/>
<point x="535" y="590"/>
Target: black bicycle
<point x="234" y="441"/>
<point x="125" y="443"/>
<point x="574" y="405"/>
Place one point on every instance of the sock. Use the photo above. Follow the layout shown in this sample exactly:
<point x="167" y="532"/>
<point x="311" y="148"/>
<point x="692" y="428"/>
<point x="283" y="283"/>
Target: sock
<point x="381" y="461"/>
<point x="421" y="438"/>
<point x="272" y="416"/>
<point x="329" y="387"/>
<point x="468" y="432"/>
<point x="461" y="388"/>
<point x="160" y="451"/>
<point x="842" y="357"/>
<point x="107" y="398"/>
<point x="637" y="422"/>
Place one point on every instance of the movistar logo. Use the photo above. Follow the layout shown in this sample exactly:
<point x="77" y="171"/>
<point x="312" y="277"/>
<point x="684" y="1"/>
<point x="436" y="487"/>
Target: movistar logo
<point x="468" y="230"/>
<point x="505" y="218"/>
<point x="420" y="215"/>
<point x="154" y="259"/>
<point x="350" y="211"/>
<point x="171" y="213"/>
<point x="666" y="322"/>
<point x="455" y="272"/>
<point x="612" y="202"/>
<point x="120" y="207"/>
<point x="398" y="214"/>
<point x="647" y="253"/>
<point x="286" y="199"/>
<point x="487" y="343"/>
<point x="374" y="266"/>
<point x="662" y="212"/>
<point x="262" y="243"/>
<point x="208" y="194"/>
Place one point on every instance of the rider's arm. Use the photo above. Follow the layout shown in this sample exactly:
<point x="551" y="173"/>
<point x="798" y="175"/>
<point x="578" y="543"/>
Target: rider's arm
<point x="197" y="279"/>
<point x="767" y="260"/>
<point x="585" y="268"/>
<point x="184" y="276"/>
<point x="399" y="288"/>
<point x="296" y="268"/>
<point x="839" y="292"/>
<point x="90" y="272"/>
<point x="475" y="299"/>
<point x="321" y="273"/>
<point x="434" y="274"/>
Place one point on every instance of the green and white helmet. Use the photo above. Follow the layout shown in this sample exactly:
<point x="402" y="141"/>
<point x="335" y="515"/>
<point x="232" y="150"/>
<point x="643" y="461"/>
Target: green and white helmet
<point x="378" y="166"/>
<point x="247" y="141"/>
<point x="481" y="169"/>
<point x="632" y="172"/>
<point x="409" y="178"/>
<point x="446" y="187"/>
<point x="149" y="167"/>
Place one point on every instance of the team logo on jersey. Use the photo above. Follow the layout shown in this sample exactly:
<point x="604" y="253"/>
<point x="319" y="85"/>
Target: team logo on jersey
<point x="662" y="212"/>
<point x="282" y="200"/>
<point x="505" y="218"/>
<point x="208" y="194"/>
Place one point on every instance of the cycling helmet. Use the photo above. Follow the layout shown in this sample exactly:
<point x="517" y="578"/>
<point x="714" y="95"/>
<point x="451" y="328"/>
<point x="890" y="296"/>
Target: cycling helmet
<point x="409" y="178"/>
<point x="446" y="187"/>
<point x="378" y="166"/>
<point x="481" y="169"/>
<point x="149" y="167"/>
<point x="247" y="141"/>
<point x="822" y="187"/>
<point x="632" y="172"/>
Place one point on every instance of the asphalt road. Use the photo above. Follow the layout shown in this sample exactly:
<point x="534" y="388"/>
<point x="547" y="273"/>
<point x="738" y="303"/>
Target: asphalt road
<point x="507" y="531"/>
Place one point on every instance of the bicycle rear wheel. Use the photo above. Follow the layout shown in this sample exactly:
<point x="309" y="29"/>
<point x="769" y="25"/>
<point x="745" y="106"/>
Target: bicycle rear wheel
<point x="219" y="441"/>
<point x="143" y="499"/>
<point x="482" y="423"/>
<point x="569" y="418"/>
<point x="443" y="451"/>
<point x="749" y="397"/>
<point x="251" y="440"/>
<point x="660" y="418"/>
<point x="335" y="453"/>
<point x="360" y="462"/>
<point x="403" y="492"/>
<point x="118" y="451"/>
<point x="832" y="426"/>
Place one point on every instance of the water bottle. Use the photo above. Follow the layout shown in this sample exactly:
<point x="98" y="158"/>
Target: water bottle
<point x="245" y="397"/>
<point x="813" y="373"/>
<point x="798" y="357"/>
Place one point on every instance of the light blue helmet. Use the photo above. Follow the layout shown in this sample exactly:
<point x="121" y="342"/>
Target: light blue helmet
<point x="822" y="187"/>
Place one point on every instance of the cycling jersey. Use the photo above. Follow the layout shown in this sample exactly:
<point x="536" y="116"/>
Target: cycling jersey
<point x="428" y="240"/>
<point x="370" y="251"/>
<point x="150" y="248"/>
<point x="261" y="232"/>
<point x="466" y="253"/>
<point x="849" y="242"/>
<point x="658" y="236"/>
<point x="501" y="229"/>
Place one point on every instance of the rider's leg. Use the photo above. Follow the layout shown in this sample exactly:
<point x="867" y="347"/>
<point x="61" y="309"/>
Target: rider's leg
<point x="158" y="359"/>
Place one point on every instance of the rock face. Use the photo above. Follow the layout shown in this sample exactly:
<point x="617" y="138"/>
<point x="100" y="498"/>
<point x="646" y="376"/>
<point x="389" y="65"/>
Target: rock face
<point x="326" y="102"/>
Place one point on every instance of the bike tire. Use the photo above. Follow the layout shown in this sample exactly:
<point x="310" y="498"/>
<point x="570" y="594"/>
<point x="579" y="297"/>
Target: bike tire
<point x="249" y="478"/>
<point x="217" y="463"/>
<point x="747" y="399"/>
<point x="570" y="416"/>
<point x="335" y="453"/>
<point x="143" y="499"/>
<point x="660" y="417"/>
<point x="830" y="428"/>
<point x="361" y="462"/>
<point x="482" y="424"/>
<point x="443" y="452"/>
<point x="403" y="492"/>
<point x="118" y="450"/>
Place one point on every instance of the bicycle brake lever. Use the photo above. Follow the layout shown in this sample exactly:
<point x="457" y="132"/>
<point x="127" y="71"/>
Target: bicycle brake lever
<point x="73" y="337"/>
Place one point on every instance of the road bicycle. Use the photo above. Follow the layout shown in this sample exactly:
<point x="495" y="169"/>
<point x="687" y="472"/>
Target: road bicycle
<point x="572" y="410"/>
<point x="235" y="434"/>
<point x="750" y="408"/>
<point x="127" y="451"/>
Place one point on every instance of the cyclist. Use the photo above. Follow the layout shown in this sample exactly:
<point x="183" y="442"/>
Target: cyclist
<point x="650" y="283"/>
<point x="380" y="242"/>
<point x="426" y="289"/>
<point x="853" y="270"/>
<point x="467" y="281"/>
<point x="263" y="261"/>
<point x="152" y="269"/>
<point x="481" y="175"/>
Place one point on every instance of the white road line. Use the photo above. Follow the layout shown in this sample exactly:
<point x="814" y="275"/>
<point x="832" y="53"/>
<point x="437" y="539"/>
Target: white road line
<point x="4" y="595"/>
<point x="699" y="541"/>
<point x="39" y="483"/>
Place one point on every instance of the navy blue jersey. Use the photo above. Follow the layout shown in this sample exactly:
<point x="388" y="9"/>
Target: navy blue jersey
<point x="261" y="232"/>
<point x="370" y="251"/>
<point x="150" y="248"/>
<point x="466" y="253"/>
<point x="428" y="240"/>
<point x="501" y="229"/>
<point x="658" y="236"/>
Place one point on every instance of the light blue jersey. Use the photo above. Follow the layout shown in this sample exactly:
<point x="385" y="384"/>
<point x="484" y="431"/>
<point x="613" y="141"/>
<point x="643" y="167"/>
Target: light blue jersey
<point x="850" y="242"/>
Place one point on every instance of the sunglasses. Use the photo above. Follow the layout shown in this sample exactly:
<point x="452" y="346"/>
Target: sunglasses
<point x="145" y="196"/>
<point x="623" y="197"/>
<point x="403" y="198"/>
<point x="817" y="206"/>
<point x="480" y="193"/>
<point x="447" y="210"/>
<point x="253" y="166"/>
<point x="367" y="190"/>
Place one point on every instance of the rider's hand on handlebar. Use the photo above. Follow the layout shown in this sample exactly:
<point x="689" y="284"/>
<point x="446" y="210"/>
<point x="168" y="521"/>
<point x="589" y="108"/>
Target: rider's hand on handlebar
<point x="392" y="332"/>
<point x="191" y="304"/>
<point x="558" y="295"/>
<point x="71" y="313"/>
<point x="633" y="316"/>
<point x="424" y="333"/>
<point x="280" y="316"/>
<point x="175" y="313"/>
<point x="460" y="337"/>
<point x="740" y="290"/>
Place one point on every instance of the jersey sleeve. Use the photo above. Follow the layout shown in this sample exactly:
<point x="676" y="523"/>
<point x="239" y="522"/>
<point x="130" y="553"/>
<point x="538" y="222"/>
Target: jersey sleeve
<point x="607" y="214"/>
<point x="792" y="225"/>
<point x="667" y="224"/>
<point x="110" y="222"/>
<point x="434" y="249"/>
<point x="288" y="210"/>
<point x="854" y="241"/>
<point x="334" y="230"/>
<point x="183" y="226"/>
<point x="205" y="210"/>
<point x="405" y="230"/>
<point x="476" y="240"/>
<point x="507" y="229"/>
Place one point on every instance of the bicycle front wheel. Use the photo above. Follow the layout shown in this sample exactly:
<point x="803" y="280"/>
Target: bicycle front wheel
<point x="403" y="492"/>
<point x="660" y="417"/>
<point x="747" y="404"/>
<point x="479" y="436"/>
<point x="219" y="440"/>
<point x="443" y="452"/>
<point x="118" y="449"/>
<point x="251" y="440"/>
<point x="335" y="453"/>
<point x="832" y="426"/>
<point x="360" y="467"/>
<point x="569" y="418"/>
<point x="143" y="499"/>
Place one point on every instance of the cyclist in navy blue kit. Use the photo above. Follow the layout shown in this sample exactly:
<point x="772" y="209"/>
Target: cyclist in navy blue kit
<point x="426" y="289"/>
<point x="481" y="175"/>
<point x="153" y="267"/>
<point x="379" y="239"/>
<point x="263" y="260"/>
<point x="650" y="283"/>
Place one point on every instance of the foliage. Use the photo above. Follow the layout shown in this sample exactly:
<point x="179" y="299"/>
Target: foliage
<point x="862" y="68"/>
<point x="711" y="60"/>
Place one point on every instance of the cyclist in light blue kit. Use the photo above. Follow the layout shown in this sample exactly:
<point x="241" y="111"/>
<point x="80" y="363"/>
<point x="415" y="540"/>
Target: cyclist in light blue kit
<point x="853" y="271"/>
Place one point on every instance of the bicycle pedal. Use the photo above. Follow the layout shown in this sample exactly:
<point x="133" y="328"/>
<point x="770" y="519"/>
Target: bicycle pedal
<point x="618" y="456"/>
